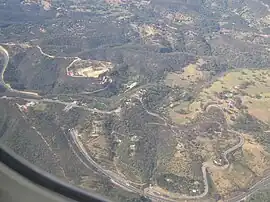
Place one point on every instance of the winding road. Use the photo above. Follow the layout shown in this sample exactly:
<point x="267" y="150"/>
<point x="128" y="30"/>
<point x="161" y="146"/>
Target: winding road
<point x="4" y="52"/>
<point x="2" y="81"/>
<point x="204" y="172"/>
<point x="120" y="181"/>
<point x="127" y="185"/>
<point x="116" y="179"/>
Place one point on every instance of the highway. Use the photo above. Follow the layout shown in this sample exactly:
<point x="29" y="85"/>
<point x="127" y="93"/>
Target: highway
<point x="126" y="184"/>
<point x="116" y="111"/>
<point x="259" y="186"/>
<point x="72" y="104"/>
<point x="79" y="150"/>
<point x="204" y="172"/>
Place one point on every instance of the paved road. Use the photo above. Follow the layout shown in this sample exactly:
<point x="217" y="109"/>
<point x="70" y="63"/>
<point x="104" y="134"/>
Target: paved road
<point x="79" y="106"/>
<point x="75" y="59"/>
<point x="4" y="52"/>
<point x="261" y="185"/>
<point x="204" y="172"/>
<point x="235" y="147"/>
<point x="83" y="156"/>
<point x="74" y="105"/>
<point x="79" y="150"/>
<point x="126" y="184"/>
<point x="6" y="57"/>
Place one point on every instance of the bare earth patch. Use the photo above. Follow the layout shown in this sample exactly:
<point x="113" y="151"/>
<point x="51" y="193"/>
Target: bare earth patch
<point x="257" y="159"/>
<point x="89" y="68"/>
<point x="259" y="108"/>
<point x="231" y="179"/>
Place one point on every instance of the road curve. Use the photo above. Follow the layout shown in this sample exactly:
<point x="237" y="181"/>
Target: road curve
<point x="4" y="52"/>
<point x="125" y="183"/>
<point x="148" y="192"/>
<point x="204" y="172"/>
<point x="152" y="113"/>
<point x="113" y="177"/>
<point x="204" y="166"/>
<point x="2" y="81"/>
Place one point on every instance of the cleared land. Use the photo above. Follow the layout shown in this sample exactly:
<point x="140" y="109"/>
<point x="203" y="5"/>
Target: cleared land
<point x="250" y="88"/>
<point x="235" y="93"/>
<point x="182" y="112"/>
<point x="89" y="68"/>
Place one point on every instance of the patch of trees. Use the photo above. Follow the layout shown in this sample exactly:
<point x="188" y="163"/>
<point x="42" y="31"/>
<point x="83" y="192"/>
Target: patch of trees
<point x="155" y="95"/>
<point x="12" y="74"/>
<point x="177" y="184"/>
<point x="215" y="66"/>
<point x="248" y="123"/>
<point x="260" y="197"/>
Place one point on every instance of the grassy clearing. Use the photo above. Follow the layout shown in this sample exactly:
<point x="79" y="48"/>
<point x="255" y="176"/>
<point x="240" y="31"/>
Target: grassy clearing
<point x="249" y="82"/>
<point x="252" y="86"/>
<point x="252" y="157"/>
<point x="210" y="148"/>
<point x="190" y="75"/>
<point x="40" y="107"/>
<point x="98" y="147"/>
<point x="125" y="162"/>
<point x="128" y="171"/>
<point x="256" y="158"/>
<point x="180" y="118"/>
<point x="226" y="181"/>
<point x="259" y="108"/>
<point x="183" y="112"/>
<point x="253" y="89"/>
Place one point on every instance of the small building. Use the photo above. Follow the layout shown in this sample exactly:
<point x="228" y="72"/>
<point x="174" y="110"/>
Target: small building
<point x="24" y="108"/>
<point x="30" y="104"/>
<point x="132" y="147"/>
<point x="70" y="73"/>
<point x="134" y="138"/>
<point x="231" y="104"/>
<point x="118" y="140"/>
<point x="218" y="162"/>
<point x="169" y="180"/>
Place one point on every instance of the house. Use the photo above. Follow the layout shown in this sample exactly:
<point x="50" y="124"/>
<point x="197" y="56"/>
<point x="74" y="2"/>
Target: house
<point x="132" y="147"/>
